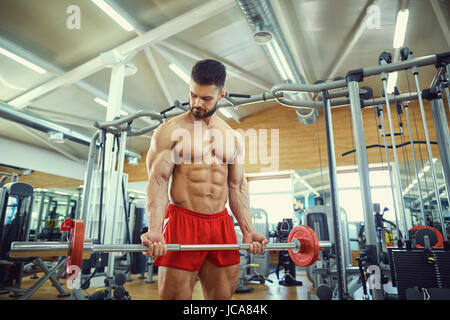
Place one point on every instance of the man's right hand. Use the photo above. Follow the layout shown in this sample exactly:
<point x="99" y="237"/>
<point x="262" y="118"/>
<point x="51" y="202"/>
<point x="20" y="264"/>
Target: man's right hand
<point x="155" y="243"/>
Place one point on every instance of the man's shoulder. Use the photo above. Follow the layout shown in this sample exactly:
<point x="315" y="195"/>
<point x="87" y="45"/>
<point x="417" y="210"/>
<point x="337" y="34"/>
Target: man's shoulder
<point x="171" y="124"/>
<point x="223" y="125"/>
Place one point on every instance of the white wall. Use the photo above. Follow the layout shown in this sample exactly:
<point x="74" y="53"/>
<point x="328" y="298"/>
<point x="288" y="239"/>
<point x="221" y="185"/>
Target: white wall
<point x="22" y="155"/>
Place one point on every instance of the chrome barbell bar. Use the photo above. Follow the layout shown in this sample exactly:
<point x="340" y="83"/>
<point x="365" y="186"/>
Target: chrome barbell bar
<point x="54" y="249"/>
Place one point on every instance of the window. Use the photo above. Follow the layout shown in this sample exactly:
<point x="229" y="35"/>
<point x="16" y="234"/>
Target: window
<point x="273" y="195"/>
<point x="350" y="193"/>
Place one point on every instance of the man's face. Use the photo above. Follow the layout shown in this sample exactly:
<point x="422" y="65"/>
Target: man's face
<point x="203" y="99"/>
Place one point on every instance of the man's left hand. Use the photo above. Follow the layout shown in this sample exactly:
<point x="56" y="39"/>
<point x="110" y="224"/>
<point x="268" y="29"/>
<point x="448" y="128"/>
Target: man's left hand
<point x="257" y="242"/>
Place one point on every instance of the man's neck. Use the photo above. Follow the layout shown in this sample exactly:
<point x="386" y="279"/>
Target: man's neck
<point x="206" y="121"/>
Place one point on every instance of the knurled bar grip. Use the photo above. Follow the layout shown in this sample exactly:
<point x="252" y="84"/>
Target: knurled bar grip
<point x="295" y="244"/>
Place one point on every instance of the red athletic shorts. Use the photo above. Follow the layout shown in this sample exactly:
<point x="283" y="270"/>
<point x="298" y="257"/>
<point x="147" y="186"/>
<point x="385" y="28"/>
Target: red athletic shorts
<point x="183" y="226"/>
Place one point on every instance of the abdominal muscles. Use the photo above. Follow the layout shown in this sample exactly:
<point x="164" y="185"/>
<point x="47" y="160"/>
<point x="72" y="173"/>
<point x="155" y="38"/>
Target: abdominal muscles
<point x="199" y="187"/>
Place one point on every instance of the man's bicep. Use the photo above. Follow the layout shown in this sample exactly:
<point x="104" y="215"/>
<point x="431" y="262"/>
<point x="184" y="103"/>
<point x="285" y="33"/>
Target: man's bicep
<point x="236" y="176"/>
<point x="161" y="165"/>
<point x="159" y="157"/>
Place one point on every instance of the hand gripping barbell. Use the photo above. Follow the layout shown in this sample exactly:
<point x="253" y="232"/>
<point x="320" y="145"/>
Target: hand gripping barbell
<point x="303" y="246"/>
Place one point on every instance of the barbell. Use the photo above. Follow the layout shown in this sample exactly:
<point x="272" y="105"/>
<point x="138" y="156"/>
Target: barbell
<point x="303" y="246"/>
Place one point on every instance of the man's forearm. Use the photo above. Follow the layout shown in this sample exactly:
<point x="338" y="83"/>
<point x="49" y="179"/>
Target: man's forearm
<point x="240" y="206"/>
<point x="157" y="201"/>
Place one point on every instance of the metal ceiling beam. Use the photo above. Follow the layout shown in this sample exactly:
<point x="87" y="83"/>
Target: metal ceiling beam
<point x="65" y="79"/>
<point x="61" y="114"/>
<point x="176" y="25"/>
<point x="194" y="53"/>
<point x="66" y="154"/>
<point x="232" y="69"/>
<point x="77" y="120"/>
<point x="122" y="52"/>
<point x="140" y="30"/>
<point x="171" y="58"/>
<point x="293" y="34"/>
<point x="45" y="125"/>
<point x="441" y="19"/>
<point x="51" y="67"/>
<point x="260" y="17"/>
<point x="347" y="46"/>
<point x="62" y="120"/>
<point x="158" y="75"/>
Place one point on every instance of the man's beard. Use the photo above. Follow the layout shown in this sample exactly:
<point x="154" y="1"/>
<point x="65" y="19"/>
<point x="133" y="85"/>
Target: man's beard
<point x="203" y="115"/>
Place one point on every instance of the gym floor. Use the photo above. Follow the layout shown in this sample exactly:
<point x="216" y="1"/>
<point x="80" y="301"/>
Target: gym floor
<point x="140" y="290"/>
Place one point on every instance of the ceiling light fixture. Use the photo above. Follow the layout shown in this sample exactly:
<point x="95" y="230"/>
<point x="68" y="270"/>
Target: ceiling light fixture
<point x="113" y="14"/>
<point x="400" y="28"/>
<point x="105" y="104"/>
<point x="392" y="81"/>
<point x="180" y="73"/>
<point x="22" y="61"/>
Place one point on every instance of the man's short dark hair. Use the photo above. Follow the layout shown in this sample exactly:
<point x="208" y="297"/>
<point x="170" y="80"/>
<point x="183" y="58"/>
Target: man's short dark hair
<point x="209" y="71"/>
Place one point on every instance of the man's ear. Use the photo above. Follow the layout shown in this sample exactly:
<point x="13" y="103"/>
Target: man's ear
<point x="222" y="94"/>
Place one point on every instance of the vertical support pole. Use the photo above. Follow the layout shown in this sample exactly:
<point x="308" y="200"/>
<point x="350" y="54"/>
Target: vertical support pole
<point x="398" y="178"/>
<point x="442" y="137"/>
<point x="338" y="227"/>
<point x="41" y="211"/>
<point x="14" y="177"/>
<point x="29" y="216"/>
<point x="443" y="119"/>
<point x="88" y="176"/>
<point x="346" y="240"/>
<point x="3" y="205"/>
<point x="445" y="80"/>
<point x="112" y="223"/>
<point x="447" y="92"/>
<point x="363" y="166"/>
<point x="68" y="206"/>
<point x="112" y="189"/>
<point x="416" y="169"/>
<point x="79" y="199"/>
<point x="391" y="180"/>
<point x="113" y="110"/>
<point x="430" y="153"/>
<point x="363" y="163"/>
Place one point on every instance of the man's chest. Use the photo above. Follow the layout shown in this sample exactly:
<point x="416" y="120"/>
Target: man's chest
<point x="203" y="145"/>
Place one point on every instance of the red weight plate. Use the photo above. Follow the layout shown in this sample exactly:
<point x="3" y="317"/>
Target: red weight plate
<point x="440" y="237"/>
<point x="76" y="247"/>
<point x="309" y="249"/>
<point x="317" y="247"/>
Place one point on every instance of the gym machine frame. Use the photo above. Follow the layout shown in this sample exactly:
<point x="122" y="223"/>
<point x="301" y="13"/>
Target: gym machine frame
<point x="349" y="94"/>
<point x="355" y="101"/>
